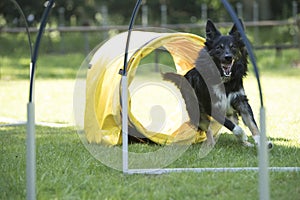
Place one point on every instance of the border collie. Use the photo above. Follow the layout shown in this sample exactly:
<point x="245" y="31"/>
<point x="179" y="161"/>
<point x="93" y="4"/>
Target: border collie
<point x="217" y="81"/>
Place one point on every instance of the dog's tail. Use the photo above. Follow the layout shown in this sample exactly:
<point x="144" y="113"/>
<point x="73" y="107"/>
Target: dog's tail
<point x="188" y="95"/>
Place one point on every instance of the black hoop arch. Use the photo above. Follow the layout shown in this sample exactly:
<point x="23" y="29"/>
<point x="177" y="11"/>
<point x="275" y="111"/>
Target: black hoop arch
<point x="263" y="168"/>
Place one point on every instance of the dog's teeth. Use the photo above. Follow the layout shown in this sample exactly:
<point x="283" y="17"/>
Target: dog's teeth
<point x="226" y="69"/>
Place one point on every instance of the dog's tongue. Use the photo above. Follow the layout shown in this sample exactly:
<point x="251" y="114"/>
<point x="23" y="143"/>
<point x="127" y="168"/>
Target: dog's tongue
<point x="227" y="69"/>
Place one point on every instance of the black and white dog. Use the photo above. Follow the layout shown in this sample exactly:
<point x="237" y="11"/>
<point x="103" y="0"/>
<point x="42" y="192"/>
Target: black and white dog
<point x="217" y="81"/>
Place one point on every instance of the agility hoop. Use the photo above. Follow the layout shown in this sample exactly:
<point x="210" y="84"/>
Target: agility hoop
<point x="31" y="148"/>
<point x="262" y="169"/>
<point x="199" y="170"/>
<point x="263" y="158"/>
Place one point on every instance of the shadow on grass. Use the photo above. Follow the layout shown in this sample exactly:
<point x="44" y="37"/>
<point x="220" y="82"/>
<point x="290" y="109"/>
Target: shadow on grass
<point x="228" y="152"/>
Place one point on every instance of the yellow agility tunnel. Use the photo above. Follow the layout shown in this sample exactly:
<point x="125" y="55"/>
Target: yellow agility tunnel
<point x="102" y="120"/>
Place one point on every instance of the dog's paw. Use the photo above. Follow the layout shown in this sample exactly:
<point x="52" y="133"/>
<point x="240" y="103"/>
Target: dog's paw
<point x="247" y="144"/>
<point x="270" y="145"/>
<point x="240" y="134"/>
<point x="257" y="142"/>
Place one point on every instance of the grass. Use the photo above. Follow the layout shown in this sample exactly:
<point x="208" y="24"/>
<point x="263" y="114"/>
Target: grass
<point x="65" y="66"/>
<point x="54" y="66"/>
<point x="66" y="169"/>
<point x="50" y="101"/>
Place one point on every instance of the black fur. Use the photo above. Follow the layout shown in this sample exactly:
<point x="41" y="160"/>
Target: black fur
<point x="217" y="81"/>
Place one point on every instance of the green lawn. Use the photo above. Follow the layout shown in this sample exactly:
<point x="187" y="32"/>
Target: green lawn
<point x="66" y="169"/>
<point x="54" y="66"/>
<point x="54" y="99"/>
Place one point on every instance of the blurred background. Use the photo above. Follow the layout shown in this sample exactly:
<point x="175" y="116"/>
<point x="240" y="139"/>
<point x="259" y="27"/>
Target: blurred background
<point x="79" y="25"/>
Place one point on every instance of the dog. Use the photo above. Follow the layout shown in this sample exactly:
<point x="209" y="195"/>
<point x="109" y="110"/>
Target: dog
<point x="217" y="81"/>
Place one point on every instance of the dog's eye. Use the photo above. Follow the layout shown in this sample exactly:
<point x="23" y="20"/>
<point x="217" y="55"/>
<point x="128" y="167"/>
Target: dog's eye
<point x="221" y="46"/>
<point x="232" y="46"/>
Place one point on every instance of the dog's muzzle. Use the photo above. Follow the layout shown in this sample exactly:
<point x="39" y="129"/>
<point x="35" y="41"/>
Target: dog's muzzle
<point x="226" y="67"/>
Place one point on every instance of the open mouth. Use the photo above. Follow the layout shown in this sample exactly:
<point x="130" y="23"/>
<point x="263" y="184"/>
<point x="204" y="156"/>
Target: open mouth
<point x="226" y="67"/>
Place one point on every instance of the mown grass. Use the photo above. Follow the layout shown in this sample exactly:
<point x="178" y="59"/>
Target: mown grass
<point x="65" y="65"/>
<point x="66" y="170"/>
<point x="54" y="66"/>
<point x="53" y="100"/>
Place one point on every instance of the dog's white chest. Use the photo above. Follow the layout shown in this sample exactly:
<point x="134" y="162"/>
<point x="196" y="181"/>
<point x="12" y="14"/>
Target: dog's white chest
<point x="230" y="98"/>
<point x="221" y="100"/>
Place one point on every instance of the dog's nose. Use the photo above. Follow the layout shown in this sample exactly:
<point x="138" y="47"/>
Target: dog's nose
<point x="228" y="58"/>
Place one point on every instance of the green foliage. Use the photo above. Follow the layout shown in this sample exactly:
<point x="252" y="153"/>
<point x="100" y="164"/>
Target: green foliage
<point x="119" y="12"/>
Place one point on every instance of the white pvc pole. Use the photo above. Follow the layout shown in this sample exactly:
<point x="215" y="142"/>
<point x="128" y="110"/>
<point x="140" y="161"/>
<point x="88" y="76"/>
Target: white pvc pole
<point x="30" y="152"/>
<point x="124" y="99"/>
<point x="201" y="170"/>
<point x="124" y="84"/>
<point x="264" y="193"/>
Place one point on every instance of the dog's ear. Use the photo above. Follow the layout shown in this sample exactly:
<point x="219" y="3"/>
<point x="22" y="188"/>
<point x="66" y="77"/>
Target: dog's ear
<point x="211" y="31"/>
<point x="234" y="30"/>
<point x="236" y="34"/>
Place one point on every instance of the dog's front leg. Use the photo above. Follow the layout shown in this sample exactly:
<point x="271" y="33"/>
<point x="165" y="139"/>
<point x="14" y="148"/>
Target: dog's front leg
<point x="236" y="129"/>
<point x="246" y="112"/>
<point x="238" y="132"/>
<point x="241" y="105"/>
<point x="249" y="121"/>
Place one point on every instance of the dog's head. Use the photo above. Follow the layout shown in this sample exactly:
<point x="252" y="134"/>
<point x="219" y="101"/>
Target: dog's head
<point x="226" y="50"/>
